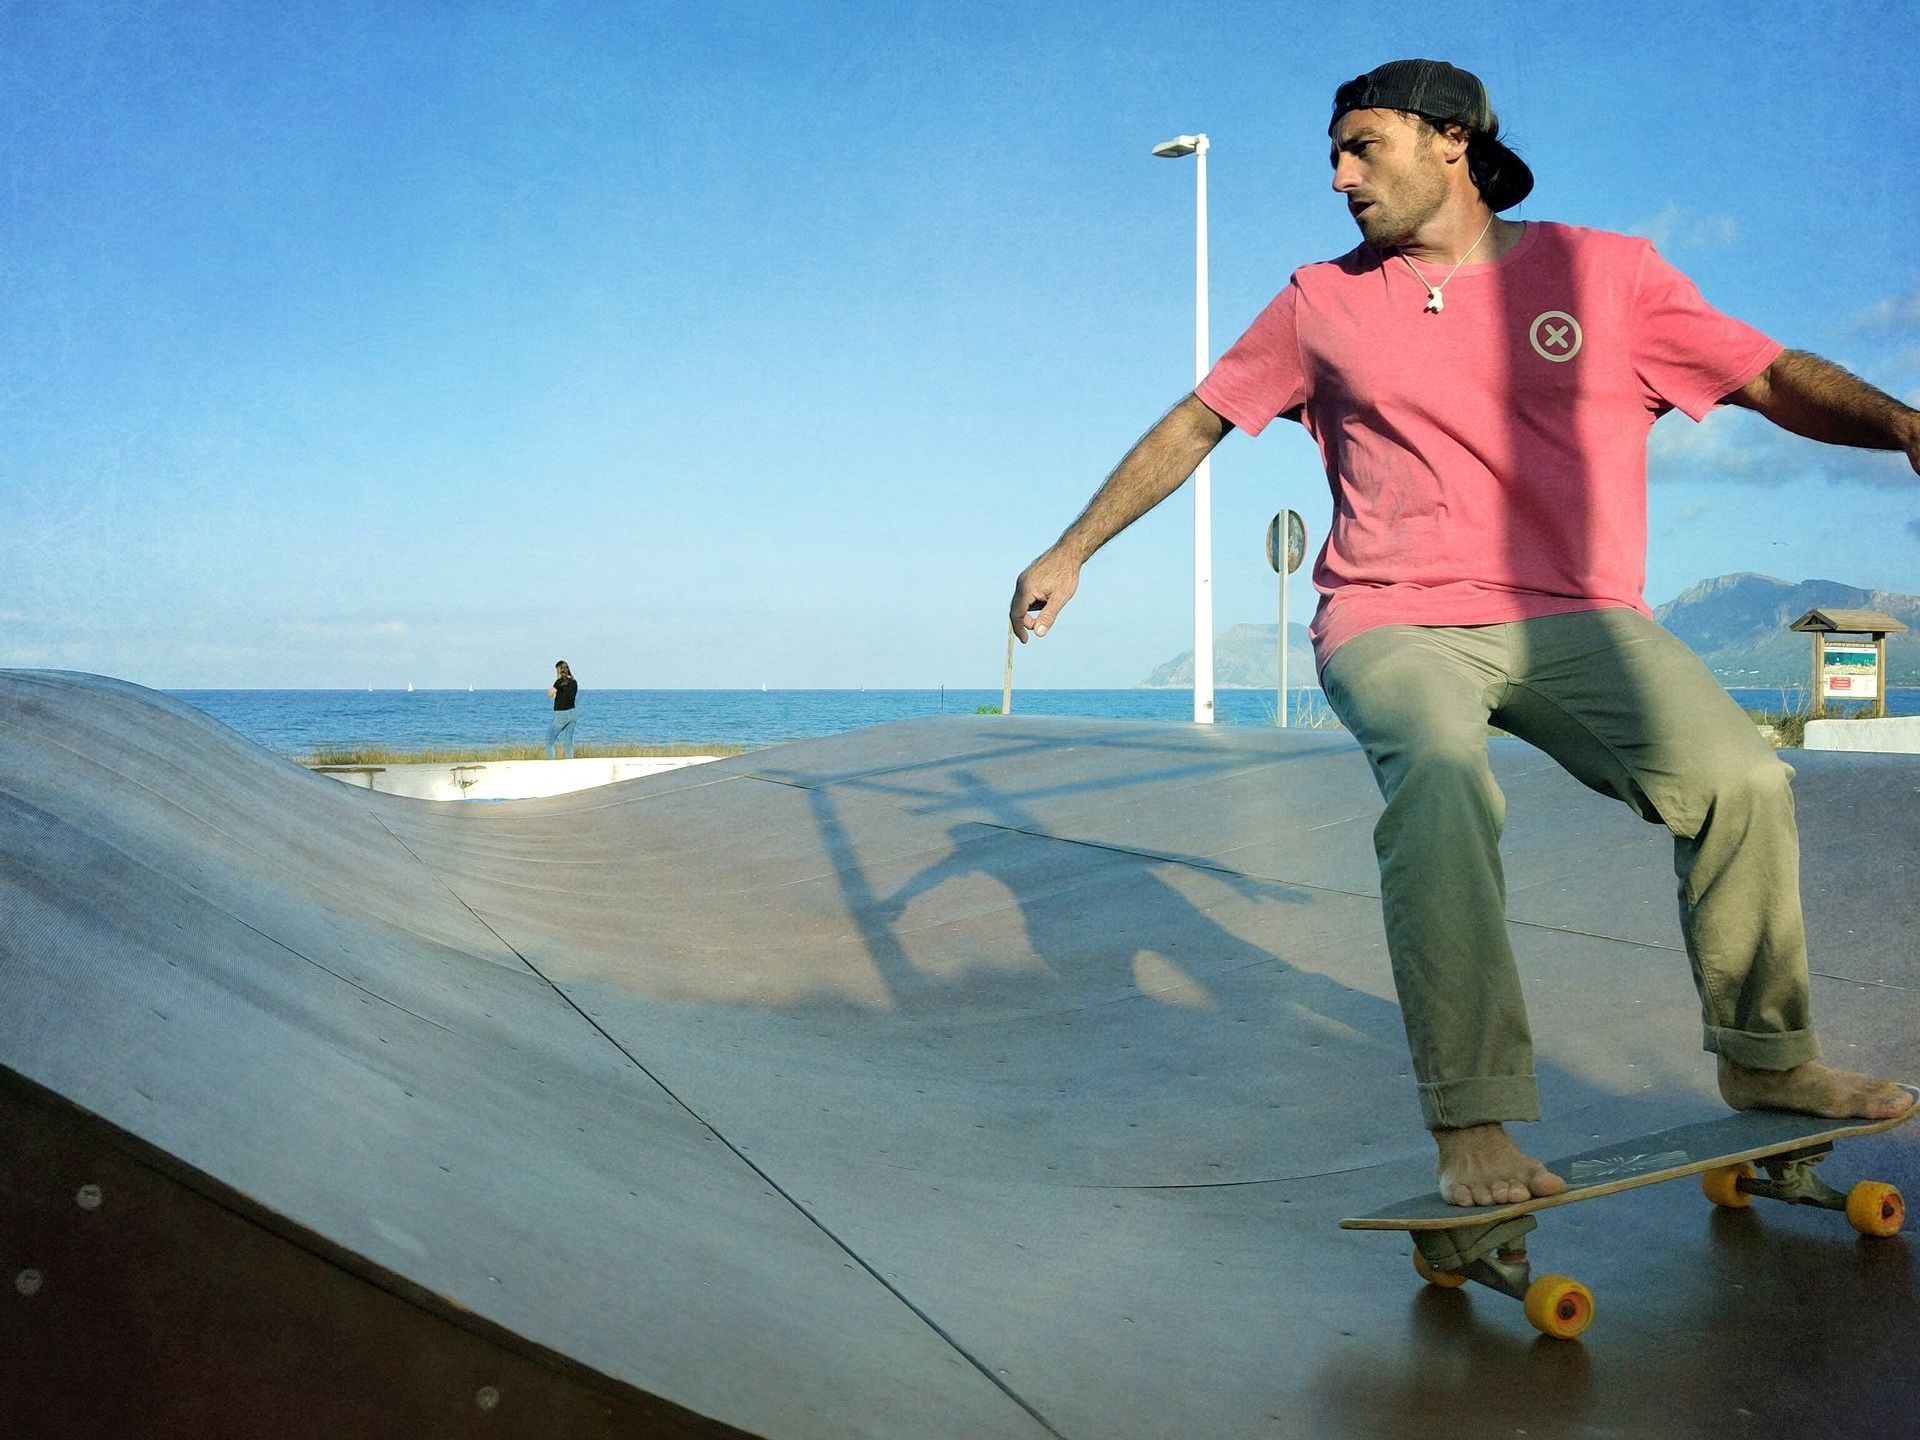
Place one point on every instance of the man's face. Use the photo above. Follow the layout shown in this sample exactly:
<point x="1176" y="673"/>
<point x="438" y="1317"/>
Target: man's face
<point x="1390" y="170"/>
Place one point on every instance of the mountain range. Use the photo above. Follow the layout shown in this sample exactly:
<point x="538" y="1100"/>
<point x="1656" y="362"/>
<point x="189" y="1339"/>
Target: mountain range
<point x="1738" y="624"/>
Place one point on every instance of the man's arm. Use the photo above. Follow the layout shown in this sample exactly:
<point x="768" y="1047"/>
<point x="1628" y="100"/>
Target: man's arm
<point x="1817" y="399"/>
<point x="1157" y="465"/>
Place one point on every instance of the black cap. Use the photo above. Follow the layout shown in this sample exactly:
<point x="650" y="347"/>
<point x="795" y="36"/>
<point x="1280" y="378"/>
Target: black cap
<point x="1451" y="96"/>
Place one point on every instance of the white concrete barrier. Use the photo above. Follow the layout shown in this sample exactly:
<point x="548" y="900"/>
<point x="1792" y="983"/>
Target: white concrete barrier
<point x="504" y="779"/>
<point x="1895" y="735"/>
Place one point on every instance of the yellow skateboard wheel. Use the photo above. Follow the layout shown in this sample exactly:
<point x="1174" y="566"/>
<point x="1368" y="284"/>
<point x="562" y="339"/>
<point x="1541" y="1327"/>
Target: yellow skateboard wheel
<point x="1874" y="1208"/>
<point x="1445" y="1279"/>
<point x="1722" y="1186"/>
<point x="1559" y="1305"/>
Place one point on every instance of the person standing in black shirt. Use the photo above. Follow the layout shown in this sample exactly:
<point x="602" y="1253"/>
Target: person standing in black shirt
<point x="562" y="691"/>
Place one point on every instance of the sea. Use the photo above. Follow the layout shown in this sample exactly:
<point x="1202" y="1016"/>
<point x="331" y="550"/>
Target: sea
<point x="298" y="723"/>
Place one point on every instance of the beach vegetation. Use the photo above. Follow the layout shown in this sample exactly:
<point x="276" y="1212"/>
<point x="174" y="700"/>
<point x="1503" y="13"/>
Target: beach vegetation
<point x="1311" y="713"/>
<point x="1785" y="726"/>
<point x="1784" y="730"/>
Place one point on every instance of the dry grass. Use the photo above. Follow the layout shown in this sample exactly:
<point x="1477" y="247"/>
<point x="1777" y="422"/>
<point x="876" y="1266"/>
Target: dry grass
<point x="1784" y="730"/>
<point x="1786" y="727"/>
<point x="479" y="755"/>
<point x="1313" y="713"/>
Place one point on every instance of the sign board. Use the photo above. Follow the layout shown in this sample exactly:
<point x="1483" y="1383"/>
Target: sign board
<point x="1851" y="670"/>
<point x="1296" y="540"/>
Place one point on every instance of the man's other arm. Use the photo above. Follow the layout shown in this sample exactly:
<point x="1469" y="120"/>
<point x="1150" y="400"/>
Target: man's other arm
<point x="1157" y="465"/>
<point x="1817" y="399"/>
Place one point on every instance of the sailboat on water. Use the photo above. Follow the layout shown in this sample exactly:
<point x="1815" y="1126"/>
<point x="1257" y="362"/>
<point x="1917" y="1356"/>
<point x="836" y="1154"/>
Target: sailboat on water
<point x="409" y="687"/>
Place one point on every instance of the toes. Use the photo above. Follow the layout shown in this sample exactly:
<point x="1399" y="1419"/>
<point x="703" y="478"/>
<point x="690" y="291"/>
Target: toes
<point x="1476" y="1191"/>
<point x="1503" y="1191"/>
<point x="1889" y="1102"/>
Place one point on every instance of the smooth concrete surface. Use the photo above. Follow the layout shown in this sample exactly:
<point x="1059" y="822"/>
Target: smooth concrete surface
<point x="1888" y="734"/>
<point x="505" y="779"/>
<point x="971" y="1076"/>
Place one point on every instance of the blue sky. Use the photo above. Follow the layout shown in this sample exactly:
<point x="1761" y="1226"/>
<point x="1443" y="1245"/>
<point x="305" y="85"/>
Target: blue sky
<point x="707" y="345"/>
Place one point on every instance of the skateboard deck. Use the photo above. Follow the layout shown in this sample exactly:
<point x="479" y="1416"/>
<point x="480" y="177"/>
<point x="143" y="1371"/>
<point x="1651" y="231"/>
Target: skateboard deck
<point x="1485" y="1243"/>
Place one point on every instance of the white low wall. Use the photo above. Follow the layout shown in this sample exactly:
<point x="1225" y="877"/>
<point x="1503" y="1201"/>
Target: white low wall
<point x="503" y="779"/>
<point x="1896" y="734"/>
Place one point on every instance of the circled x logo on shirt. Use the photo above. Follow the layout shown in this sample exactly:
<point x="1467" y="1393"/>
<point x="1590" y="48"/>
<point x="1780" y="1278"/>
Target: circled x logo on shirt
<point x="1555" y="335"/>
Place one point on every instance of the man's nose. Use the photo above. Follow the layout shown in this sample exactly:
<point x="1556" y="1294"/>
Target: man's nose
<point x="1346" y="176"/>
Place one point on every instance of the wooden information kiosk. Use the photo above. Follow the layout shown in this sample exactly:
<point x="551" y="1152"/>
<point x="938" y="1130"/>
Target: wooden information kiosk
<point x="1845" y="665"/>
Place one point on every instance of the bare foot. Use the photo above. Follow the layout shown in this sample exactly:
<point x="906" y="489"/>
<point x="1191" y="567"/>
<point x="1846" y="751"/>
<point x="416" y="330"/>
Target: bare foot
<point x="1812" y="1089"/>
<point x="1479" y="1165"/>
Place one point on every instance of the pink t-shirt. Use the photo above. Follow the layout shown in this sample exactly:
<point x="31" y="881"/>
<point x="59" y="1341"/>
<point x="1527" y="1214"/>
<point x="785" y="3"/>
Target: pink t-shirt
<point x="1488" y="463"/>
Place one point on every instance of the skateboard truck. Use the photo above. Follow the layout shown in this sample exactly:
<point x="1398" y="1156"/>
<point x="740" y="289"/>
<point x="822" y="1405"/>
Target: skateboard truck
<point x="1871" y="1208"/>
<point x="1495" y="1255"/>
<point x="1791" y="1178"/>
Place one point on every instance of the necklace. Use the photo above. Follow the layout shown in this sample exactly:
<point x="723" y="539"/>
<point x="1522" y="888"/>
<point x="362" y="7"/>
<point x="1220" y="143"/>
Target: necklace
<point x="1434" y="303"/>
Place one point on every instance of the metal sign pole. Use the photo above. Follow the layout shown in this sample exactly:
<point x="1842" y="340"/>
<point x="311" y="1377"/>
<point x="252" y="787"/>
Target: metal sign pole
<point x="1281" y="718"/>
<point x="1286" y="544"/>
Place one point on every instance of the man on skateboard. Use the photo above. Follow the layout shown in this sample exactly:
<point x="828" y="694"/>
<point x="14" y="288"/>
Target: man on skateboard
<point x="1481" y="391"/>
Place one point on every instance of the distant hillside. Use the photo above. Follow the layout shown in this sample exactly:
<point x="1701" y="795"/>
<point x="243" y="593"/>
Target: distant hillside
<point x="1244" y="658"/>
<point x="1736" y="623"/>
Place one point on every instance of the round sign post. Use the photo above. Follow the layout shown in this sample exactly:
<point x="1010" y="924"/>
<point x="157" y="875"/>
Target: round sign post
<point x="1286" y="545"/>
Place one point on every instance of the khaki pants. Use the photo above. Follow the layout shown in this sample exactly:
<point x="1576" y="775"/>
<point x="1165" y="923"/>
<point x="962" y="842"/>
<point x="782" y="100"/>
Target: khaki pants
<point x="1630" y="712"/>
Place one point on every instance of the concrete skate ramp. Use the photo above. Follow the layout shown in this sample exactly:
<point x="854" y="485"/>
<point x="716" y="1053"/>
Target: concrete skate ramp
<point x="970" y="1077"/>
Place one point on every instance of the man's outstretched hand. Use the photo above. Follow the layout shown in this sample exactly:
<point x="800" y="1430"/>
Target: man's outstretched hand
<point x="1156" y="466"/>
<point x="1041" y="592"/>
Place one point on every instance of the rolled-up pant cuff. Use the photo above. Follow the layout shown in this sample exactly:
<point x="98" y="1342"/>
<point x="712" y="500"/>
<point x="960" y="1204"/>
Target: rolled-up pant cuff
<point x="1480" y="1100"/>
<point x="1763" y="1050"/>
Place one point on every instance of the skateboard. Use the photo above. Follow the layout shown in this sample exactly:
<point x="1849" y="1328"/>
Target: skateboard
<point x="1487" y="1244"/>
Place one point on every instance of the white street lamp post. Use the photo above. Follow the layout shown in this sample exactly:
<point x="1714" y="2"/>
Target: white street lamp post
<point x="1196" y="146"/>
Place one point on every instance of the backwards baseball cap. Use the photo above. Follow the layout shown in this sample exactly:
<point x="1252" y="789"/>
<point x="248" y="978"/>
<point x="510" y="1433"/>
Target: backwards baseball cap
<point x="1450" y="96"/>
